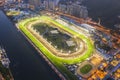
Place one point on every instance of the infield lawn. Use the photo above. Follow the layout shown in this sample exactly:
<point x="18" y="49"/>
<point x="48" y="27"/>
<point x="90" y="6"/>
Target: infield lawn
<point x="57" y="61"/>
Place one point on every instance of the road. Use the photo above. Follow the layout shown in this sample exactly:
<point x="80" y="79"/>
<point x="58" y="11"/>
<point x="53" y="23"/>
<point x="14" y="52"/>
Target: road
<point x="97" y="27"/>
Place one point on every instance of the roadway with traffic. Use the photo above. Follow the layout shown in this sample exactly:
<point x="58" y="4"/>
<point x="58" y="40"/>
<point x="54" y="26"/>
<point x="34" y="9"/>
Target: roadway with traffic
<point x="96" y="25"/>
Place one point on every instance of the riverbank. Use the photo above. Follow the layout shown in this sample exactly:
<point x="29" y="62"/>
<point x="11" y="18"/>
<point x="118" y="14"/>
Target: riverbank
<point x="26" y="64"/>
<point x="5" y="73"/>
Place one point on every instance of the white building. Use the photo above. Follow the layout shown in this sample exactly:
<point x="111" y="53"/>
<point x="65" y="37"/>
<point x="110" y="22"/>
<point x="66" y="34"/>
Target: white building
<point x="70" y="43"/>
<point x="54" y="31"/>
<point x="88" y="27"/>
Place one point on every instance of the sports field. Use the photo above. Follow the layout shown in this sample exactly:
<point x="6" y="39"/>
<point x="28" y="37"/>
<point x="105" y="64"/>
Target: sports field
<point x="13" y="13"/>
<point x="85" y="69"/>
<point x="57" y="61"/>
<point x="55" y="38"/>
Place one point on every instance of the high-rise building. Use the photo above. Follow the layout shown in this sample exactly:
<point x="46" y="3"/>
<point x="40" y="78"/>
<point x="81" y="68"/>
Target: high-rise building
<point x="51" y="4"/>
<point x="56" y="2"/>
<point x="2" y="2"/>
<point x="46" y="4"/>
<point x="74" y="9"/>
<point x="83" y="12"/>
<point x="35" y="4"/>
<point x="63" y="8"/>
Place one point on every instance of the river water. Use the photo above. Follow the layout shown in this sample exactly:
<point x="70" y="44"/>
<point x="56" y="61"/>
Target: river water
<point x="107" y="10"/>
<point x="26" y="63"/>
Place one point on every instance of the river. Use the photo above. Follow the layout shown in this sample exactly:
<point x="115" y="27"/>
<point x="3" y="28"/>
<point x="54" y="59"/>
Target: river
<point x="26" y="63"/>
<point x="107" y="10"/>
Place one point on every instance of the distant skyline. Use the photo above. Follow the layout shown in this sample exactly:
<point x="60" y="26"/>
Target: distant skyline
<point x="107" y="10"/>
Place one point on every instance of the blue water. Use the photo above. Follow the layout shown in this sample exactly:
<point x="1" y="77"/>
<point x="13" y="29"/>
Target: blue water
<point x="106" y="10"/>
<point x="26" y="63"/>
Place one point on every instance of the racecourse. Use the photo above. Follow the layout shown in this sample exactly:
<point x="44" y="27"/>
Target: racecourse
<point x="52" y="49"/>
<point x="57" y="61"/>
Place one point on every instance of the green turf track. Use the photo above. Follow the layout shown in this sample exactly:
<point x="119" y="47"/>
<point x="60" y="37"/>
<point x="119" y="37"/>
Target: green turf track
<point x="86" y="69"/>
<point x="57" y="61"/>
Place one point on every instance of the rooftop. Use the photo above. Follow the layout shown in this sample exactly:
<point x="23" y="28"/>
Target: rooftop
<point x="70" y="43"/>
<point x="54" y="31"/>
